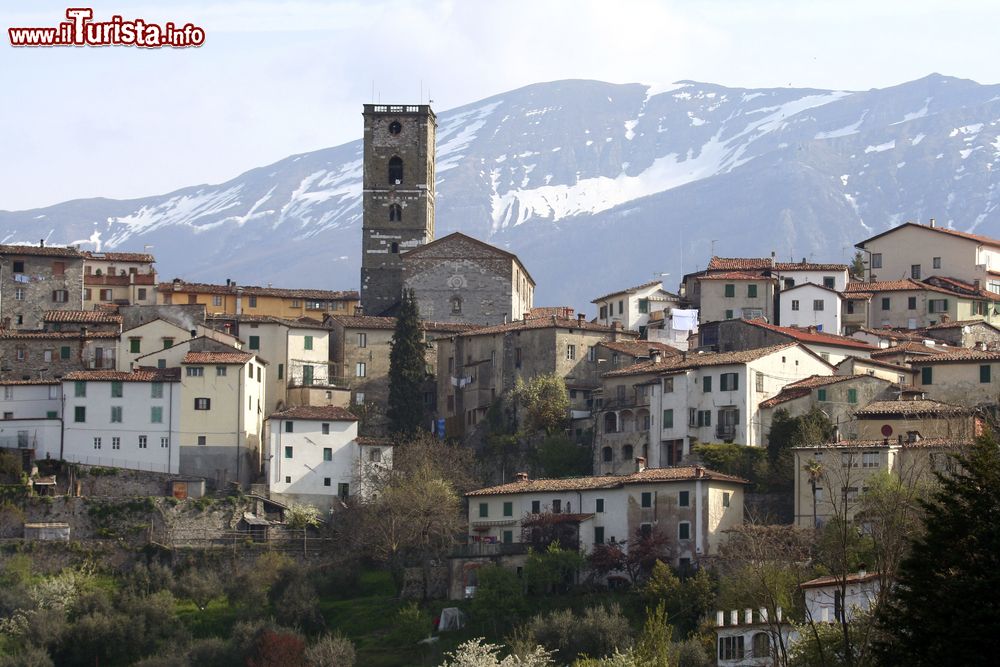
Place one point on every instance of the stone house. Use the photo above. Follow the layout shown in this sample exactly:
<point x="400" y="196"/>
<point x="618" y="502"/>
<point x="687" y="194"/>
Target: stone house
<point x="79" y="320"/>
<point x="737" y="294"/>
<point x="966" y="333"/>
<point x="36" y="279"/>
<point x="811" y="305"/>
<point x="838" y="396"/>
<point x="52" y="354"/>
<point x="735" y="335"/>
<point x="912" y="250"/>
<point x="899" y="374"/>
<point x="233" y="299"/>
<point x="459" y="279"/>
<point x="632" y="307"/>
<point x="479" y="365"/>
<point x="690" y="505"/>
<point x="123" y="419"/>
<point x="118" y="278"/>
<point x="316" y="457"/>
<point x="963" y="377"/>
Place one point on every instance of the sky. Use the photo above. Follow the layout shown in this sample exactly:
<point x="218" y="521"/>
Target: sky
<point x="278" y="78"/>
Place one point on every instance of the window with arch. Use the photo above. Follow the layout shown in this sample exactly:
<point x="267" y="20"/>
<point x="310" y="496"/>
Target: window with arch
<point x="395" y="127"/>
<point x="606" y="455"/>
<point x="395" y="248"/>
<point x="610" y="422"/>
<point x="627" y="452"/>
<point x="395" y="212"/>
<point x="456" y="304"/>
<point x="395" y="170"/>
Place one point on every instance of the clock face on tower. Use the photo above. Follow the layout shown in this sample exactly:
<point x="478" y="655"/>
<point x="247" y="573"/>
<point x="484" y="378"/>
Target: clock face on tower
<point x="457" y="281"/>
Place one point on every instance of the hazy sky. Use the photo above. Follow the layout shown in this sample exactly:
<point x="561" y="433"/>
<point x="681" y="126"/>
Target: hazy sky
<point x="277" y="78"/>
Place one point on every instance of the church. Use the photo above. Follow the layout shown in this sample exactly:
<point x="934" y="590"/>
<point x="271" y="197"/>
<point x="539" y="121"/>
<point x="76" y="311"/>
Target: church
<point x="456" y="279"/>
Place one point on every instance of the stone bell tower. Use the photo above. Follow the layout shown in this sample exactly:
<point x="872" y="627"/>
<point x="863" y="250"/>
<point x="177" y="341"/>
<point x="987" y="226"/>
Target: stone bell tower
<point x="398" y="202"/>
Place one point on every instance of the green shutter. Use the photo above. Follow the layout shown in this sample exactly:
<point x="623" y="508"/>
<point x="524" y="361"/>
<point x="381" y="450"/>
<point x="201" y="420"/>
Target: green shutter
<point x="984" y="373"/>
<point x="821" y="394"/>
<point x="598" y="534"/>
<point x="752" y="291"/>
<point x="852" y="395"/>
<point x="134" y="345"/>
<point x="484" y="510"/>
<point x="668" y="418"/>
<point x="254" y="342"/>
<point x="508" y="509"/>
<point x="926" y="375"/>
<point x="64" y="352"/>
<point x="730" y="290"/>
<point x="706" y="383"/>
<point x="309" y="342"/>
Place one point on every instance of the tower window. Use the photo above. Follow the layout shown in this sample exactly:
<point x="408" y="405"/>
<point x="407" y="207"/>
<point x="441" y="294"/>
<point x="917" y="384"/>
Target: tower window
<point x="395" y="247"/>
<point x="456" y="304"/>
<point x="395" y="171"/>
<point x="395" y="127"/>
<point x="395" y="212"/>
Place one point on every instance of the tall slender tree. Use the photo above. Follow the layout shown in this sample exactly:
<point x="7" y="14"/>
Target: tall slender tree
<point x="407" y="370"/>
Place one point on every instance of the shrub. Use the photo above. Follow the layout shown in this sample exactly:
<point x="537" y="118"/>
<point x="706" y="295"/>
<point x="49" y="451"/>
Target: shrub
<point x="199" y="585"/>
<point x="331" y="651"/>
<point x="499" y="597"/>
<point x="278" y="649"/>
<point x="599" y="632"/>
<point x="410" y="625"/>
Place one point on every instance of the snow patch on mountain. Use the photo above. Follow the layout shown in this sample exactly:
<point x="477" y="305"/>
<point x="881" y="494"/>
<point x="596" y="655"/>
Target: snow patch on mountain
<point x="845" y="131"/>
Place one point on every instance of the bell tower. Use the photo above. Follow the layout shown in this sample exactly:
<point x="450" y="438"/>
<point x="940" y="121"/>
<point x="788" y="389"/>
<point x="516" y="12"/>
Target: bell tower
<point x="398" y="201"/>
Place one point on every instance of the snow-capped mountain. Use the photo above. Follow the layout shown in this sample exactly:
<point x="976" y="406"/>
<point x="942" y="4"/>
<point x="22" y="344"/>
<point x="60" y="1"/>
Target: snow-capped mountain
<point x="596" y="186"/>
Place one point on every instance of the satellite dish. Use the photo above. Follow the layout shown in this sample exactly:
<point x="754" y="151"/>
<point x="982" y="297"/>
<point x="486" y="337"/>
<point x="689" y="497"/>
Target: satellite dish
<point x="886" y="430"/>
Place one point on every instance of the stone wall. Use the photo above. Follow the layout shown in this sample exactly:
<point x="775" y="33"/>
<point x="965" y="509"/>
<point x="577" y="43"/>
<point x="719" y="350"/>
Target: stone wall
<point x="29" y="292"/>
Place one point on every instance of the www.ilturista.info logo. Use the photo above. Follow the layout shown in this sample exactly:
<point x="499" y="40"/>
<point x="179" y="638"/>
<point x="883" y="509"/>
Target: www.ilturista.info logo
<point x="81" y="30"/>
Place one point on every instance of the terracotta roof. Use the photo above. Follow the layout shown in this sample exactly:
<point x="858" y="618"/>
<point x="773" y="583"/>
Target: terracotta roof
<point x="697" y="360"/>
<point x="435" y="244"/>
<point x="331" y="413"/>
<point x="985" y="240"/>
<point x="739" y="263"/>
<point x="810" y="284"/>
<point x="958" y="355"/>
<point x="629" y="290"/>
<point x="239" y="358"/>
<point x="649" y="475"/>
<point x="877" y="362"/>
<point x="804" y="387"/>
<point x="39" y="251"/>
<point x="27" y="382"/>
<point x="640" y="348"/>
<point x="890" y="442"/>
<point x="13" y="334"/>
<point x="909" y="347"/>
<point x="141" y="375"/>
<point x="82" y="316"/>
<point x="297" y="323"/>
<point x="735" y="275"/>
<point x="809" y="266"/>
<point x="142" y="257"/>
<point x="960" y="323"/>
<point x="378" y="322"/>
<point x="909" y="408"/>
<point x="905" y="285"/>
<point x="545" y="323"/>
<point x="548" y="311"/>
<point x="254" y="290"/>
<point x="835" y="580"/>
<point x="894" y="334"/>
<point x="817" y="337"/>
<point x="962" y="287"/>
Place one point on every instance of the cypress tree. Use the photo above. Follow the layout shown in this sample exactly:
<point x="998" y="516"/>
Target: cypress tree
<point x="406" y="370"/>
<point x="944" y="607"/>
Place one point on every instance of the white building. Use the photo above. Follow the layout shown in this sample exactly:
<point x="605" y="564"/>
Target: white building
<point x="792" y="274"/>
<point x="150" y="338"/>
<point x="690" y="505"/>
<point x="831" y="599"/>
<point x="32" y="413"/>
<point x="122" y="419"/>
<point x="316" y="457"/>
<point x="632" y="307"/>
<point x="810" y="305"/>
<point x="750" y="639"/>
<point x="715" y="397"/>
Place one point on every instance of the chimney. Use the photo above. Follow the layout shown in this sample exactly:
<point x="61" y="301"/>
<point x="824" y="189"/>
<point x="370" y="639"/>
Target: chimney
<point x="803" y="260"/>
<point x="194" y="333"/>
<point x="521" y="477"/>
<point x="640" y="464"/>
<point x="656" y="356"/>
<point x="580" y="318"/>
<point x="981" y="345"/>
<point x="41" y="243"/>
<point x="615" y="328"/>
<point x="932" y="223"/>
<point x="699" y="472"/>
<point x="945" y="319"/>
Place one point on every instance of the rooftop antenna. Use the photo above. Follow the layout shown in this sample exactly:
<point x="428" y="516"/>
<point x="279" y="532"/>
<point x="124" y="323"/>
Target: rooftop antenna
<point x="713" y="246"/>
<point x="373" y="91"/>
<point x="421" y="91"/>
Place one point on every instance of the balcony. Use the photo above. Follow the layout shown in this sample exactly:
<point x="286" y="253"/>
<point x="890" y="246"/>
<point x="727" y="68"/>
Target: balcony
<point x="478" y="549"/>
<point x="725" y="431"/>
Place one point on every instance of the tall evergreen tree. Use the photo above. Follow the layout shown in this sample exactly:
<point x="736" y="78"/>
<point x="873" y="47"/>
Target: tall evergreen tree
<point x="944" y="607"/>
<point x="407" y="370"/>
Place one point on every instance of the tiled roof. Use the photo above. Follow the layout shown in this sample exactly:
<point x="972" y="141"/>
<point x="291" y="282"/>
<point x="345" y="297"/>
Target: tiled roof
<point x="905" y="285"/>
<point x="254" y="290"/>
<point x="549" y="311"/>
<point x="142" y="257"/>
<point x="876" y="362"/>
<point x="13" y="334"/>
<point x="297" y="323"/>
<point x="629" y="290"/>
<point x="739" y="263"/>
<point x="817" y="337"/>
<point x="39" y="251"/>
<point x="809" y="266"/>
<point x="910" y="347"/>
<point x="545" y="323"/>
<point x="914" y="407"/>
<point x="331" y="413"/>
<point x="640" y="348"/>
<point x="456" y="236"/>
<point x="217" y="358"/>
<point x="649" y="475"/>
<point x="735" y="275"/>
<point x="894" y="334"/>
<point x="958" y="355"/>
<point x="141" y="375"/>
<point x="890" y="442"/>
<point x="378" y="322"/>
<point x="959" y="324"/>
<point x="804" y="387"/>
<point x="962" y="287"/>
<point x="82" y="316"/>
<point x="835" y="580"/>
<point x="810" y="284"/>
<point x="27" y="382"/>
<point x="697" y="360"/>
<point x="985" y="240"/>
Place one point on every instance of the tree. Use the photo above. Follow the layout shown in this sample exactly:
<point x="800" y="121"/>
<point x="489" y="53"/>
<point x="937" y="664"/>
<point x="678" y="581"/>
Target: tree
<point x="551" y="570"/>
<point x="808" y="430"/>
<point x="558" y="456"/>
<point x="545" y="402"/>
<point x="407" y="370"/>
<point x="302" y="517"/>
<point x="943" y="608"/>
<point x="499" y="598"/>
<point x="858" y="266"/>
<point x="686" y="600"/>
<point x="200" y="585"/>
<point x="814" y="471"/>
<point x="636" y="558"/>
<point x="475" y="653"/>
<point x="331" y="651"/>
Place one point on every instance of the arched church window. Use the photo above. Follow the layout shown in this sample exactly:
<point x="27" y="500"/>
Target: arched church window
<point x="395" y="171"/>
<point x="395" y="212"/>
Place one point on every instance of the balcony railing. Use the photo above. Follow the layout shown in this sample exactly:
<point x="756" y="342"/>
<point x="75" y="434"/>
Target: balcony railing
<point x="725" y="431"/>
<point x="489" y="549"/>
